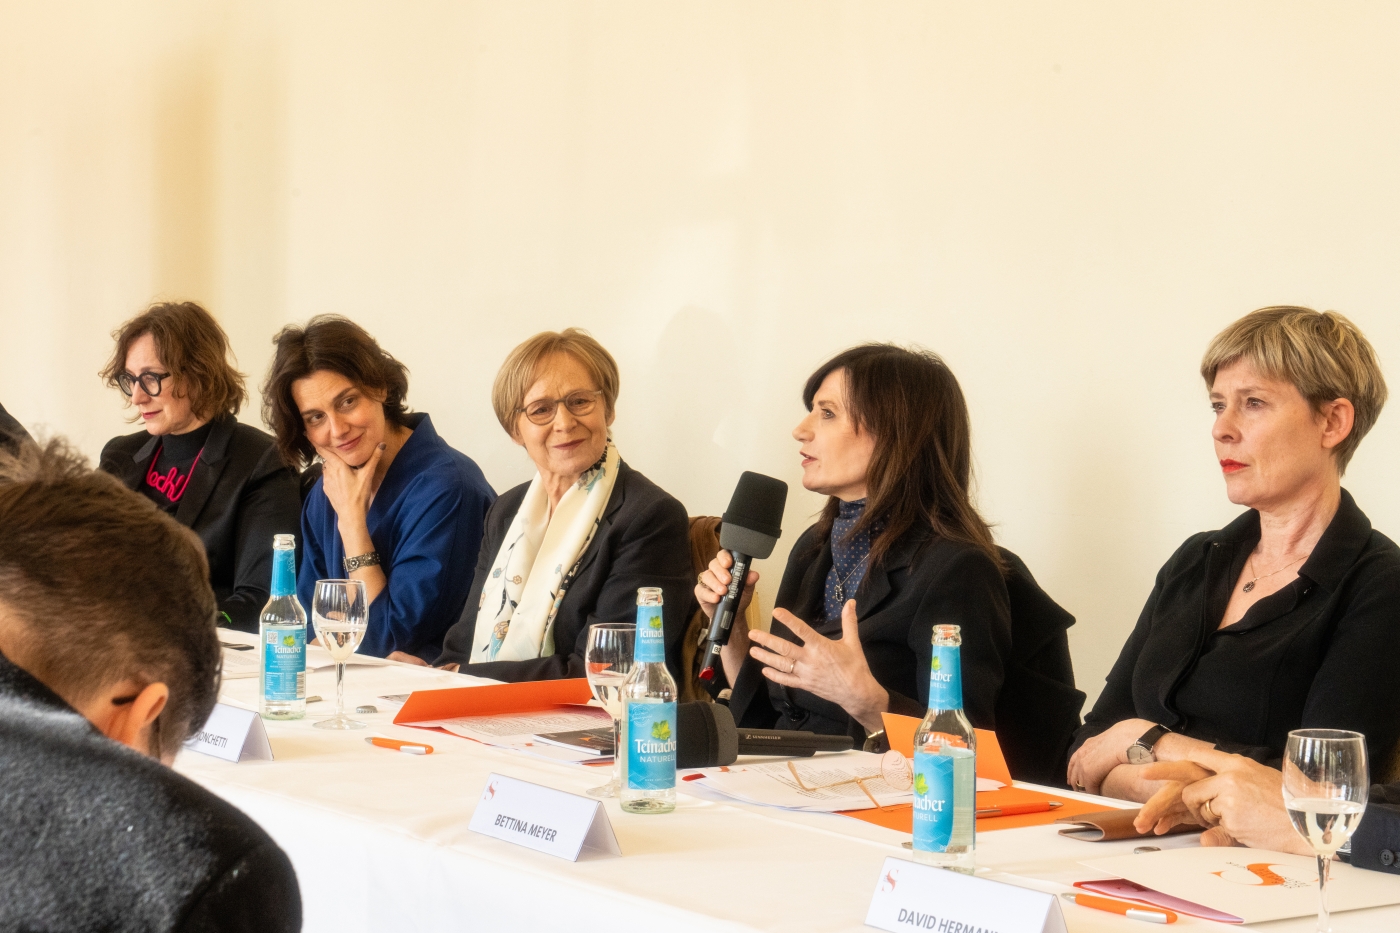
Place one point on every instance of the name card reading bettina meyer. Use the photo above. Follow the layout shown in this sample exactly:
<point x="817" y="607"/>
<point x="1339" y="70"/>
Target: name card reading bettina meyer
<point x="910" y="896"/>
<point x="546" y="820"/>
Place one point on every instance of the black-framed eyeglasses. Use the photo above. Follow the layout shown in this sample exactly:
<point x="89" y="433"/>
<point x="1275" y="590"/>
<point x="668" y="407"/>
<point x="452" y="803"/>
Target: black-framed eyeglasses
<point x="150" y="382"/>
<point x="580" y="403"/>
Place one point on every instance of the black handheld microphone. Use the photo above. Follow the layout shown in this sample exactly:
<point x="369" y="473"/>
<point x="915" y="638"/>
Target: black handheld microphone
<point x="752" y="525"/>
<point x="706" y="737"/>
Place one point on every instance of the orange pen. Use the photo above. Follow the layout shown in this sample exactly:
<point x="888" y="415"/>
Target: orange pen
<point x="1126" y="908"/>
<point x="410" y="748"/>
<point x="1018" y="809"/>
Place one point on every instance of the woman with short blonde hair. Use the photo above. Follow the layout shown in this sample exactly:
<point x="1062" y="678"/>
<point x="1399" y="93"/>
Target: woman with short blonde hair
<point x="1285" y="618"/>
<point x="572" y="546"/>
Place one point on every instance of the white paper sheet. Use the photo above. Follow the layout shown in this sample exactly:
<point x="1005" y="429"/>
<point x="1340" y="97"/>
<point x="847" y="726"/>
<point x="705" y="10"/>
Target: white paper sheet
<point x="517" y="730"/>
<point x="772" y="784"/>
<point x="240" y="664"/>
<point x="1253" y="884"/>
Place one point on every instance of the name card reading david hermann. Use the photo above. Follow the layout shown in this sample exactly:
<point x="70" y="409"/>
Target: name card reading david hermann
<point x="564" y="825"/>
<point x="913" y="896"/>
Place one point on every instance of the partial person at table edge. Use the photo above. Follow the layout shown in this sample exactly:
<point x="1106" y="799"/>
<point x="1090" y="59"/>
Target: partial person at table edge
<point x="899" y="547"/>
<point x="1241" y="803"/>
<point x="1285" y="618"/>
<point x="395" y="506"/>
<point x="106" y="668"/>
<point x="223" y="479"/>
<point x="573" y="545"/>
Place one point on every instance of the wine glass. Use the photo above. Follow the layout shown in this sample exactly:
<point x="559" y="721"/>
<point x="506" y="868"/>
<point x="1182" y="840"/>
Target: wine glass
<point x="1324" y="790"/>
<point x="340" y="613"/>
<point x="608" y="660"/>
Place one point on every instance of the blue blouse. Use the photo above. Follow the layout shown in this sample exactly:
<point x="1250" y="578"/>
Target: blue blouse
<point x="426" y="522"/>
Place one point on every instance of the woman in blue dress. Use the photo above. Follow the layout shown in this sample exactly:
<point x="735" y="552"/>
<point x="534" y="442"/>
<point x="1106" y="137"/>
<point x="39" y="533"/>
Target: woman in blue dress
<point x="395" y="505"/>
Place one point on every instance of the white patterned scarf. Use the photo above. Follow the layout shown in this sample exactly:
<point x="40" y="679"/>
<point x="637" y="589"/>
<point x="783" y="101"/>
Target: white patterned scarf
<point x="536" y="563"/>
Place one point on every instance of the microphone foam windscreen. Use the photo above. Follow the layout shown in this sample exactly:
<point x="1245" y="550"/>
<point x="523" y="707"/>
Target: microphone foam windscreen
<point x="705" y="736"/>
<point x="757" y="504"/>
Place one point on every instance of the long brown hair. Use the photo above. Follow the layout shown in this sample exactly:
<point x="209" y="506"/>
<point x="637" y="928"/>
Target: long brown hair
<point x="920" y="472"/>
<point x="334" y="344"/>
<point x="193" y="347"/>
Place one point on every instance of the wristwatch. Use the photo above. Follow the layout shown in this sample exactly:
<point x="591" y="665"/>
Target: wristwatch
<point x="1140" y="752"/>
<point x="364" y="560"/>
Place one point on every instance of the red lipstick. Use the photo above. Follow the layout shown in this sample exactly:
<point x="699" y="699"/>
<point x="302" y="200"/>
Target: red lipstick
<point x="1231" y="466"/>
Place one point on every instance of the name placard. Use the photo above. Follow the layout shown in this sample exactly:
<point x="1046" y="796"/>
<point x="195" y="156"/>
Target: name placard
<point x="233" y="734"/>
<point x="564" y="825"/>
<point x="910" y="896"/>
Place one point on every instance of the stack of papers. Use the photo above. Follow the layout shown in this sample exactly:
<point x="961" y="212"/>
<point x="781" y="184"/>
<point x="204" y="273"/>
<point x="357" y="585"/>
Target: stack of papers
<point x="517" y="730"/>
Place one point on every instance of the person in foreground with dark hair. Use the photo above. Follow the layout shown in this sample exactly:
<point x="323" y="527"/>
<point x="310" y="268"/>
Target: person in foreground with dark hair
<point x="1285" y="618"/>
<point x="106" y="668"/>
<point x="12" y="433"/>
<point x="572" y="546"/>
<point x="395" y="506"/>
<point x="898" y="548"/>
<point x="222" y="479"/>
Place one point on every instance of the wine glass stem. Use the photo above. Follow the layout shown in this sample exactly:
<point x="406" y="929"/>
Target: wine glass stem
<point x="340" y="691"/>
<point x="1324" y="919"/>
<point x="617" y="754"/>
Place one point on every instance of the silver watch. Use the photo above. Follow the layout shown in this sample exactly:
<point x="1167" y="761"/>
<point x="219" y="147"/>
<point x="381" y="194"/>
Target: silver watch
<point x="1141" y="752"/>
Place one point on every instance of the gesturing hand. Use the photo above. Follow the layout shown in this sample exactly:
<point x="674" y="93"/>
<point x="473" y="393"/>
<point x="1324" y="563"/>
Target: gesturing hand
<point x="832" y="669"/>
<point x="349" y="489"/>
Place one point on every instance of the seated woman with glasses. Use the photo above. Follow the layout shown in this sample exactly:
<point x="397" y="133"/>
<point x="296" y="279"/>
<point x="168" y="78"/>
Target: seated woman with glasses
<point x="572" y="546"/>
<point x="899" y="548"/>
<point x="395" y="506"/>
<point x="223" y="480"/>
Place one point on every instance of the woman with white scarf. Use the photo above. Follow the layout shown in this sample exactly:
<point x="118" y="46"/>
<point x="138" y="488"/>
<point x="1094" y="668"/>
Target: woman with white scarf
<point x="572" y="546"/>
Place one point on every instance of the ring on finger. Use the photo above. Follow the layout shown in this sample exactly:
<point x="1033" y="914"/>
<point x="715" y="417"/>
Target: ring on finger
<point x="792" y="667"/>
<point x="1209" y="813"/>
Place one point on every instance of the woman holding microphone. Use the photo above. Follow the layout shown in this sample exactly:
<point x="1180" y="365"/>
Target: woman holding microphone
<point x="898" y="548"/>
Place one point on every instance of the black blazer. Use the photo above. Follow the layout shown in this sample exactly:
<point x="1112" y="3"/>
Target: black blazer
<point x="1319" y="653"/>
<point x="643" y="541"/>
<point x="95" y="836"/>
<point x="241" y="494"/>
<point x="1376" y="842"/>
<point x="1025" y="694"/>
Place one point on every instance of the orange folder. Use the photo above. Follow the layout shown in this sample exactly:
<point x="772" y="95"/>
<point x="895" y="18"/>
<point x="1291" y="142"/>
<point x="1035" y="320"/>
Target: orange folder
<point x="990" y="764"/>
<point x="492" y="700"/>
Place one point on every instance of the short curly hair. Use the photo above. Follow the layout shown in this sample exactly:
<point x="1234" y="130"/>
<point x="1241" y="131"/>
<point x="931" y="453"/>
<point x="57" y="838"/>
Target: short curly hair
<point x="328" y="343"/>
<point x="193" y="347"/>
<point x="1321" y="353"/>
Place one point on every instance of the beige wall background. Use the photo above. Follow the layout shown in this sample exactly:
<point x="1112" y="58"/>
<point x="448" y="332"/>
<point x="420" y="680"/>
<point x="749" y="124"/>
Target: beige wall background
<point x="1066" y="200"/>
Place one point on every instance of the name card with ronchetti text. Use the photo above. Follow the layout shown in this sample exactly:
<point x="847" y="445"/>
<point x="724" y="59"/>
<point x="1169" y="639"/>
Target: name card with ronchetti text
<point x="546" y="820"/>
<point x="233" y="734"/>
<point x="910" y="896"/>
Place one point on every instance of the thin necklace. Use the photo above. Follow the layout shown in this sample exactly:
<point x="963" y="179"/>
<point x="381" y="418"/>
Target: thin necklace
<point x="842" y="581"/>
<point x="1250" y="585"/>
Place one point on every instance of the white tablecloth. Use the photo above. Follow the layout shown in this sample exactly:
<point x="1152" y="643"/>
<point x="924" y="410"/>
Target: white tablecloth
<point x="380" y="841"/>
